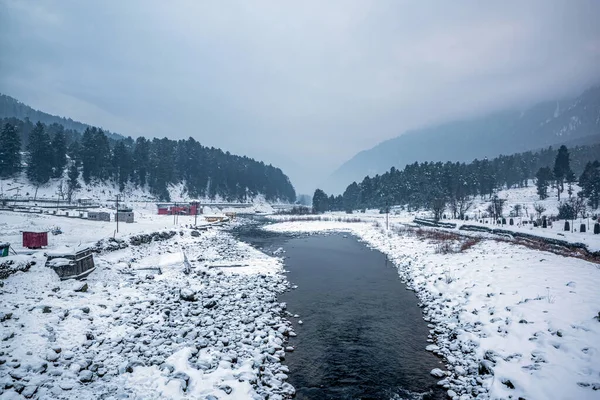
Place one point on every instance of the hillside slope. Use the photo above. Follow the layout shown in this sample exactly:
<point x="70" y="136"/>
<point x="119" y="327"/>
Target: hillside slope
<point x="11" y="107"/>
<point x="549" y="123"/>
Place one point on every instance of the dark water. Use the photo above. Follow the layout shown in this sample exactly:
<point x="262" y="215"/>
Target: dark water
<point x="363" y="335"/>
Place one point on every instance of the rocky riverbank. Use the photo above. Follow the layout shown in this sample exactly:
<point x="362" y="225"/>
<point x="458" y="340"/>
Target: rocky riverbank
<point x="145" y="326"/>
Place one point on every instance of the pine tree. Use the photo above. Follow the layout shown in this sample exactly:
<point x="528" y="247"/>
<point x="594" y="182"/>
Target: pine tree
<point x="74" y="153"/>
<point x="320" y="201"/>
<point x="121" y="164"/>
<point x="59" y="148"/>
<point x="10" y="151"/>
<point x="351" y="197"/>
<point x="87" y="155"/>
<point x="40" y="158"/>
<point x="590" y="183"/>
<point x="140" y="161"/>
<point x="562" y="168"/>
<point x="543" y="178"/>
<point x="73" y="182"/>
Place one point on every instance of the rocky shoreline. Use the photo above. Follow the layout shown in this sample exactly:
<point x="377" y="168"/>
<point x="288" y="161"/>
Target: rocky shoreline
<point x="134" y="331"/>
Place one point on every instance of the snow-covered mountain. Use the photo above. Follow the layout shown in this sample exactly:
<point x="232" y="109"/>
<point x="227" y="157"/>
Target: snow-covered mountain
<point x="571" y="122"/>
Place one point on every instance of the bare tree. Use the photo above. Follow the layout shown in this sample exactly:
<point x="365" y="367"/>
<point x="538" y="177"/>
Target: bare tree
<point x="539" y="209"/>
<point x="60" y="191"/>
<point x="438" y="205"/>
<point x="459" y="205"/>
<point x="579" y="206"/>
<point x="516" y="210"/>
<point x="496" y="206"/>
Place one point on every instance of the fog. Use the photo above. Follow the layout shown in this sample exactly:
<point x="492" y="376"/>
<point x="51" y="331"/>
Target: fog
<point x="301" y="85"/>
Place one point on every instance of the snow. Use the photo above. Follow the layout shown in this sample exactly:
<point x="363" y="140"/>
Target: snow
<point x="105" y="192"/>
<point x="129" y="332"/>
<point x="531" y="317"/>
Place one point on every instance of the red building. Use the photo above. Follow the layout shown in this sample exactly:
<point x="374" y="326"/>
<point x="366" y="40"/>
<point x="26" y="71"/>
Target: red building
<point x="179" y="208"/>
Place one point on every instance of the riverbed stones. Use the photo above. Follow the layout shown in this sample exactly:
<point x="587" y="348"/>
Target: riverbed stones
<point x="187" y="294"/>
<point x="86" y="376"/>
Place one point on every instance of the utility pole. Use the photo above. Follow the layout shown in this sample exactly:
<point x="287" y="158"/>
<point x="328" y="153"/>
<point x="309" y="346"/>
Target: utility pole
<point x="196" y="215"/>
<point x="117" y="214"/>
<point x="387" y="216"/>
<point x="174" y="213"/>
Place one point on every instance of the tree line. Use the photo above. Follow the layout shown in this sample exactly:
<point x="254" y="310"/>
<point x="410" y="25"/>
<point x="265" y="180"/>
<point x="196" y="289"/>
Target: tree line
<point x="438" y="186"/>
<point x="207" y="172"/>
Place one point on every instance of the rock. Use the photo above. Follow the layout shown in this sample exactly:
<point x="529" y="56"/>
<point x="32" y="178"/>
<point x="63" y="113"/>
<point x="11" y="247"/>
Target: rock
<point x="432" y="347"/>
<point x="52" y="356"/>
<point x="187" y="294"/>
<point x="486" y="367"/>
<point x="210" y="304"/>
<point x="29" y="391"/>
<point x="508" y="384"/>
<point x="195" y="233"/>
<point x="80" y="287"/>
<point x="40" y="368"/>
<point x="66" y="385"/>
<point x="438" y="373"/>
<point x="132" y="364"/>
<point x="85" y="309"/>
<point x="16" y="374"/>
<point x="46" y="310"/>
<point x="226" y="388"/>
<point x="460" y="370"/>
<point x="5" y="316"/>
<point x="184" y="378"/>
<point x="86" y="376"/>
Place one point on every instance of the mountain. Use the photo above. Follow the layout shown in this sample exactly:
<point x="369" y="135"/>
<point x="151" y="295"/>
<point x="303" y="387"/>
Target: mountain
<point x="548" y="123"/>
<point x="53" y="148"/>
<point x="11" y="107"/>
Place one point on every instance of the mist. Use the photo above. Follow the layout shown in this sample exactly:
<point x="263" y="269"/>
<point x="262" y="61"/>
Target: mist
<point x="303" y="86"/>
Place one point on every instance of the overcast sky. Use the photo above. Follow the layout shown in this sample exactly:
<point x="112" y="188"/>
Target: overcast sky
<point x="301" y="84"/>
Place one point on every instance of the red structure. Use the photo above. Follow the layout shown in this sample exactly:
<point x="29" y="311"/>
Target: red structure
<point x="178" y="208"/>
<point x="35" y="240"/>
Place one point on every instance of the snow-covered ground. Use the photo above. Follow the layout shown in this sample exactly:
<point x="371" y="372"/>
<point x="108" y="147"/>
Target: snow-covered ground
<point x="141" y="327"/>
<point x="510" y="322"/>
<point x="105" y="192"/>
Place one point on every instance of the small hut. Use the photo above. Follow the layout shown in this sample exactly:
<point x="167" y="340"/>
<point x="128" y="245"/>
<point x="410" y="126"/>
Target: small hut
<point x="71" y="263"/>
<point x="125" y="215"/>
<point x="35" y="240"/>
<point x="98" y="216"/>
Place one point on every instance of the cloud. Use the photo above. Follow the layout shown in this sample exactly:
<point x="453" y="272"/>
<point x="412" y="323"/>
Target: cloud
<point x="304" y="85"/>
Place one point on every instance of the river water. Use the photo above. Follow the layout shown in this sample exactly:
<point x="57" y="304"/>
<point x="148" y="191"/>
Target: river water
<point x="363" y="335"/>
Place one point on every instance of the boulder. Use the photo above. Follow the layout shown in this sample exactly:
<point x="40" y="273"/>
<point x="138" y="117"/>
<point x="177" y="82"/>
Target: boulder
<point x="187" y="294"/>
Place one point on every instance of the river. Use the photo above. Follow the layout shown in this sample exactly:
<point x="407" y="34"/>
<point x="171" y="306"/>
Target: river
<point x="363" y="335"/>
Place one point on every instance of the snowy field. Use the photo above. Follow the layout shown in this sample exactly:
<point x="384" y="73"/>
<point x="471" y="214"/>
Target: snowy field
<point x="142" y="327"/>
<point x="510" y="322"/>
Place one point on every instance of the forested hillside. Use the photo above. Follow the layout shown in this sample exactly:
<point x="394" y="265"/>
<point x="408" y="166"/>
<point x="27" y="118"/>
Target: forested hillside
<point x="431" y="185"/>
<point x="52" y="151"/>
<point x="552" y="123"/>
